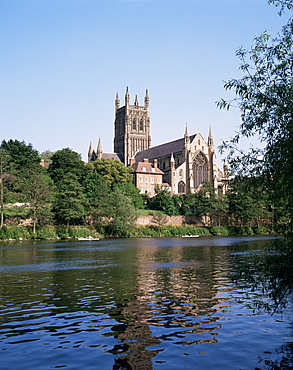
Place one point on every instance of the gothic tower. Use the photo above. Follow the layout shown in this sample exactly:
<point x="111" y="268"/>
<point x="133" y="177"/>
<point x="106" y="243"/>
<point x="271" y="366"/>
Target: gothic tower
<point x="132" y="127"/>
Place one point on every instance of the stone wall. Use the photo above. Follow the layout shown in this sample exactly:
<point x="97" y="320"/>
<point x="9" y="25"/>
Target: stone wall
<point x="174" y="220"/>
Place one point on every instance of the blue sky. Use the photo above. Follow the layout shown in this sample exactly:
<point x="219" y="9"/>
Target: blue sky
<point x="62" y="62"/>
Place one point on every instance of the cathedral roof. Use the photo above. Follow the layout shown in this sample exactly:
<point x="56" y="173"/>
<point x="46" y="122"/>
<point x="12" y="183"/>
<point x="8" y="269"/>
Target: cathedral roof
<point x="116" y="156"/>
<point x="162" y="150"/>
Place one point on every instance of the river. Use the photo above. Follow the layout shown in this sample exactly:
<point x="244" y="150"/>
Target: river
<point x="154" y="303"/>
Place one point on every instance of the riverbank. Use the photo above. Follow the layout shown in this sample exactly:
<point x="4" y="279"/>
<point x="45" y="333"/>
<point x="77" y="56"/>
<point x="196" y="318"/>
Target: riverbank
<point x="16" y="232"/>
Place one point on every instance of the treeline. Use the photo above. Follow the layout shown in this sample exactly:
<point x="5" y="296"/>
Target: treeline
<point x="101" y="196"/>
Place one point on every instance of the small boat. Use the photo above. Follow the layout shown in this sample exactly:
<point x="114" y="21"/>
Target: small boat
<point x="190" y="236"/>
<point x="90" y="238"/>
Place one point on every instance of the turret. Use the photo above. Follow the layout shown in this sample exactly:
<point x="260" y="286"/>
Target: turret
<point x="186" y="136"/>
<point x="136" y="101"/>
<point x="99" y="149"/>
<point x="90" y="152"/>
<point x="127" y="97"/>
<point x="117" y="102"/>
<point x="210" y="138"/>
<point x="147" y="100"/>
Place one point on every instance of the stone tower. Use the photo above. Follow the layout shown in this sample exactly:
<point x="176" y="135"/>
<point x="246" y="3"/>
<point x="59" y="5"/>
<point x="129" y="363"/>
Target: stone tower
<point x="132" y="127"/>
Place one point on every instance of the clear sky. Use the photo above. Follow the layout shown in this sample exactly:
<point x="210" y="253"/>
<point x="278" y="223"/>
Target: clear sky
<point x="62" y="62"/>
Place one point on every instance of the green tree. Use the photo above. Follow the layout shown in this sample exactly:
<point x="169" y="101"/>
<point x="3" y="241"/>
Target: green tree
<point x="131" y="191"/>
<point x="36" y="188"/>
<point x="96" y="191"/>
<point x="4" y="176"/>
<point x="264" y="96"/>
<point x="163" y="201"/>
<point x="66" y="161"/>
<point x="121" y="214"/>
<point x="113" y="171"/>
<point x="70" y="202"/>
<point x="22" y="154"/>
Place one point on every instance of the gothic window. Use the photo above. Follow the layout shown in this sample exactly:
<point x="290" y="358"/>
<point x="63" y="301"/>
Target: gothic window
<point x="141" y="125"/>
<point x="181" y="187"/>
<point x="200" y="170"/>
<point x="134" y="124"/>
<point x="181" y="173"/>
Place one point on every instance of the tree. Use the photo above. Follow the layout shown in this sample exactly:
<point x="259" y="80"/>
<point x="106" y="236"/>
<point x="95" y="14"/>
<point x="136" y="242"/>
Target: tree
<point x="36" y="187"/>
<point x="264" y="96"/>
<point x="131" y="191"/>
<point x="163" y="201"/>
<point x="70" y="202"/>
<point x="4" y="175"/>
<point x="113" y="171"/>
<point x="22" y="154"/>
<point x="66" y="161"/>
<point x="120" y="212"/>
<point x="96" y="191"/>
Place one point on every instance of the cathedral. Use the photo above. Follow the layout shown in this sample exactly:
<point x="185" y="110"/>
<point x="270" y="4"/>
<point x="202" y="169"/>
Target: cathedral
<point x="181" y="166"/>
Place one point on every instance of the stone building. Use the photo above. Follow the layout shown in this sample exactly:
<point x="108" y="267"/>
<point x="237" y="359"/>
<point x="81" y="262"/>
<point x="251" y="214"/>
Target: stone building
<point x="132" y="127"/>
<point x="182" y="164"/>
<point x="146" y="176"/>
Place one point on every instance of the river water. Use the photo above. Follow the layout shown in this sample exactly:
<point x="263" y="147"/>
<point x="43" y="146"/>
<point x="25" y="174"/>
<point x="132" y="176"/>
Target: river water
<point x="134" y="304"/>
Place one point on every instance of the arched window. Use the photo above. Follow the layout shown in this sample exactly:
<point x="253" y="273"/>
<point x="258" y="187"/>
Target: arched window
<point x="181" y="187"/>
<point x="141" y="125"/>
<point x="134" y="124"/>
<point x="181" y="173"/>
<point x="200" y="170"/>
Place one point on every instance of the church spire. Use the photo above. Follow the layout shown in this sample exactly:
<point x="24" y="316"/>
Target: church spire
<point x="99" y="149"/>
<point x="210" y="138"/>
<point x="117" y="102"/>
<point x="90" y="152"/>
<point x="147" y="99"/>
<point x="186" y="135"/>
<point x="136" y="101"/>
<point x="127" y="96"/>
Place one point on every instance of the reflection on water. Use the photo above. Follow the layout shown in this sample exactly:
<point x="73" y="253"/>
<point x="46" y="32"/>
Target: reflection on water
<point x="136" y="304"/>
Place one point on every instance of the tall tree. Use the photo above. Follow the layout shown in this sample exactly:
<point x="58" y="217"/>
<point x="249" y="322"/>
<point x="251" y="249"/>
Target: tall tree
<point x="36" y="188"/>
<point x="113" y="171"/>
<point x="4" y="175"/>
<point x="96" y="191"/>
<point x="264" y="96"/>
<point x="22" y="154"/>
<point x="66" y="161"/>
<point x="69" y="202"/>
<point x="120" y="212"/>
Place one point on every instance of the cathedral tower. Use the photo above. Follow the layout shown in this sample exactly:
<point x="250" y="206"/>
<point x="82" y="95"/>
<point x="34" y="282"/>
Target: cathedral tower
<point x="132" y="127"/>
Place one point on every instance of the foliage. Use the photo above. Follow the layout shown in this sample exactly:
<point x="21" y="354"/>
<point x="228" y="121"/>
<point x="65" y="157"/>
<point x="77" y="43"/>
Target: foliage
<point x="120" y="213"/>
<point x="282" y="4"/>
<point x="131" y="191"/>
<point x="69" y="202"/>
<point x="265" y="99"/>
<point x="66" y="161"/>
<point x="4" y="176"/>
<point x="96" y="191"/>
<point x="163" y="201"/>
<point x="36" y="188"/>
<point x="21" y="154"/>
<point x="113" y="171"/>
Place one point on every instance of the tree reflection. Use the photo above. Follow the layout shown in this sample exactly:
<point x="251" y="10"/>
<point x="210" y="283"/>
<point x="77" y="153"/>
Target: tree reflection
<point x="269" y="274"/>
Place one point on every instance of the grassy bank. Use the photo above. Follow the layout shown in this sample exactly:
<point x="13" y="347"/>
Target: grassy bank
<point x="17" y="232"/>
